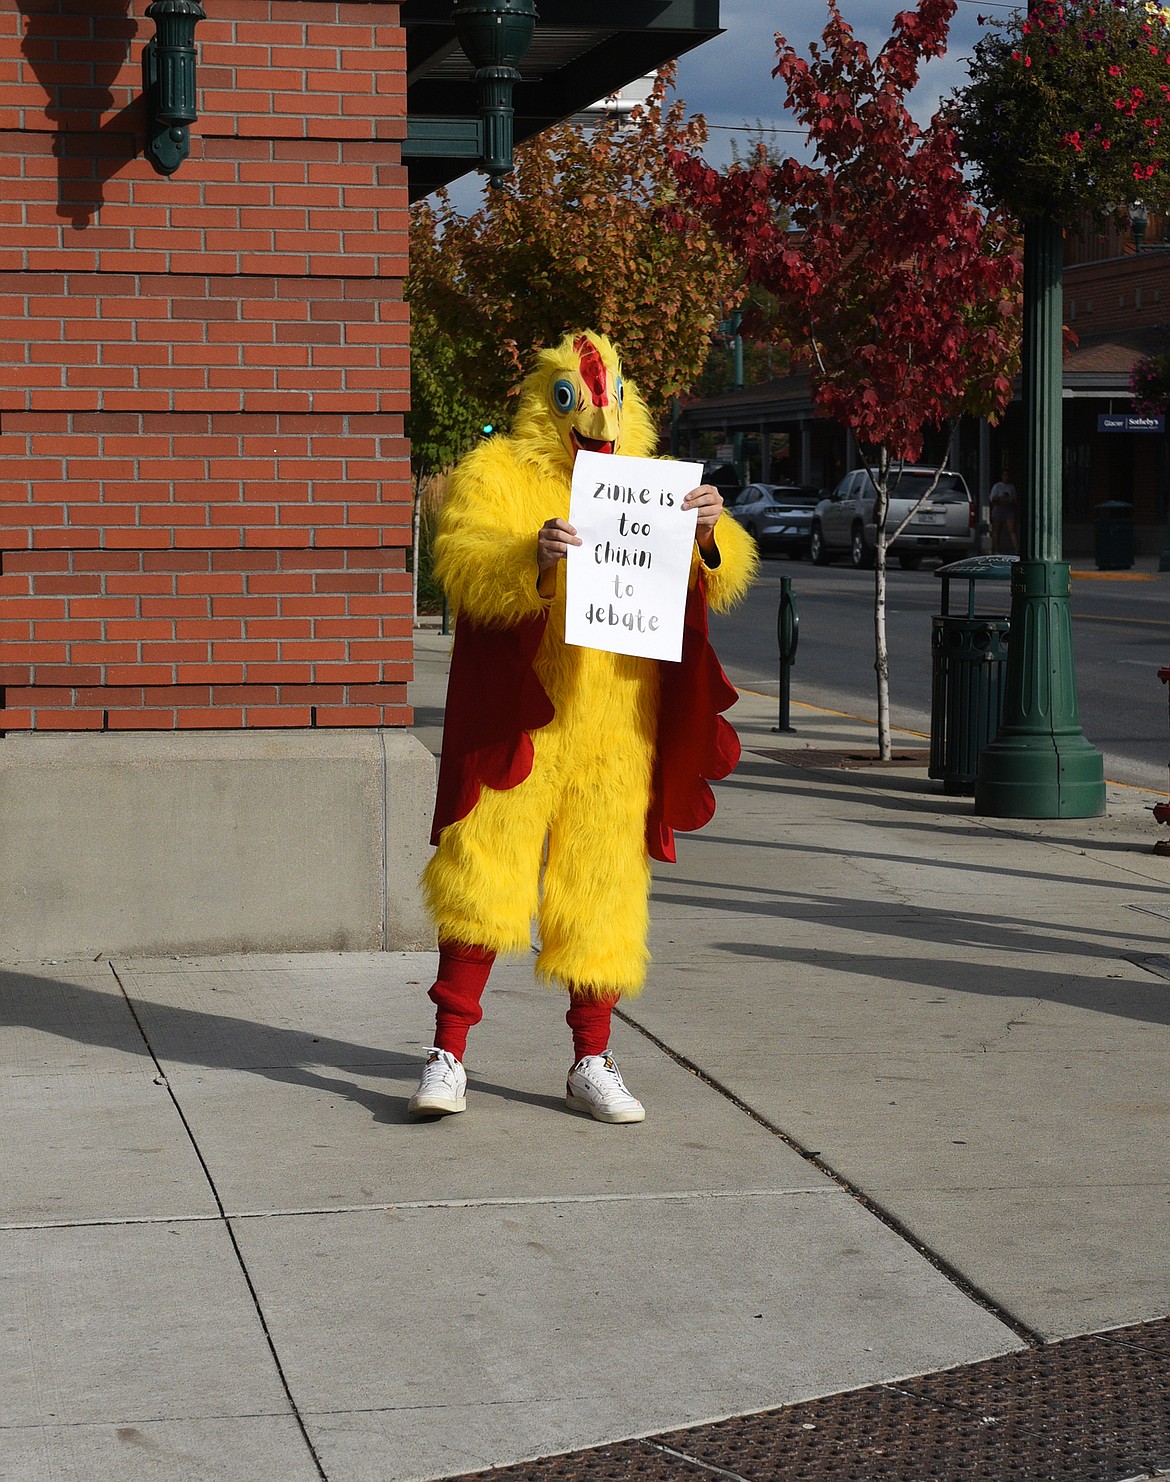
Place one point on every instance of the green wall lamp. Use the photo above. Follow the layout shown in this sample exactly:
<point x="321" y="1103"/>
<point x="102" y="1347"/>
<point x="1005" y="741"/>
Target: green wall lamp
<point x="168" y="78"/>
<point x="494" y="35"/>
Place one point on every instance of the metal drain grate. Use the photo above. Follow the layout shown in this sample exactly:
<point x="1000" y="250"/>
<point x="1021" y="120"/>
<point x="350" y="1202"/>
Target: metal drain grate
<point x="618" y="1463"/>
<point x="1092" y="1409"/>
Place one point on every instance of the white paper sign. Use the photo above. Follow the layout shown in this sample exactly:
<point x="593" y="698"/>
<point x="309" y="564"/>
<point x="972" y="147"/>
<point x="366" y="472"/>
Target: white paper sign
<point x="626" y="584"/>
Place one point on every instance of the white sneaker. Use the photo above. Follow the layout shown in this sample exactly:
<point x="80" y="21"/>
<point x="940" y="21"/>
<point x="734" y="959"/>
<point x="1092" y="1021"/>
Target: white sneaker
<point x="441" y="1089"/>
<point x="595" y="1086"/>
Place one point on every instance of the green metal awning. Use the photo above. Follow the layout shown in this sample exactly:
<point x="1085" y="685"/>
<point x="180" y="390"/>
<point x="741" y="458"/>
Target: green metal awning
<point x="582" y="50"/>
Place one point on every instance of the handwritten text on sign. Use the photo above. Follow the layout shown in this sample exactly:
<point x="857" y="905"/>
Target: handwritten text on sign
<point x="627" y="582"/>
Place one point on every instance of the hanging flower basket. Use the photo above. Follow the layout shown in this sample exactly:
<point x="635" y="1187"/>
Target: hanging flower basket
<point x="1149" y="380"/>
<point x="1067" y="113"/>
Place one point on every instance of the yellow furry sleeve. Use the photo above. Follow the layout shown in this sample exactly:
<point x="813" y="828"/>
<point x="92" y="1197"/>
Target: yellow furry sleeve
<point x="485" y="549"/>
<point x="728" y="582"/>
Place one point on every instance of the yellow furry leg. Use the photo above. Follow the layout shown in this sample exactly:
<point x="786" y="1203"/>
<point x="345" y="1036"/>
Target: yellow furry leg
<point x="587" y="793"/>
<point x="482" y="884"/>
<point x="594" y="917"/>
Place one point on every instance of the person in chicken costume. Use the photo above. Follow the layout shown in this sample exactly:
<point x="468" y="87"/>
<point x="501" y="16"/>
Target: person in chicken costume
<point x="564" y="769"/>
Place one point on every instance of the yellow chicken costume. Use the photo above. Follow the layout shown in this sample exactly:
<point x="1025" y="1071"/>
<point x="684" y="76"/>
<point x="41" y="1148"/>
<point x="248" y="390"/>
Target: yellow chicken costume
<point x="563" y="767"/>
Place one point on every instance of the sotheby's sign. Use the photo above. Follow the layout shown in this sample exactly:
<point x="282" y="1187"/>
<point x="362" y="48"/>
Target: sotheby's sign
<point x="1126" y="422"/>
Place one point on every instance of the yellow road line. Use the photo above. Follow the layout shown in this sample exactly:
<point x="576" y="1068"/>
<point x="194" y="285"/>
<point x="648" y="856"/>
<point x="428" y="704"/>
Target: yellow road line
<point x="1113" y="575"/>
<point x="1137" y="787"/>
<point x="1092" y="617"/>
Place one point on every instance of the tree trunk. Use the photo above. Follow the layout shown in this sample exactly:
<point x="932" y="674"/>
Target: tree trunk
<point x="883" y="537"/>
<point x="414" y="520"/>
<point x="881" y="662"/>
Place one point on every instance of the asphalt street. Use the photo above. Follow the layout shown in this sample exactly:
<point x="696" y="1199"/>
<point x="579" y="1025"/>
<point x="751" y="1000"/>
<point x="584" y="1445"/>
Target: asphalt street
<point x="1121" y="635"/>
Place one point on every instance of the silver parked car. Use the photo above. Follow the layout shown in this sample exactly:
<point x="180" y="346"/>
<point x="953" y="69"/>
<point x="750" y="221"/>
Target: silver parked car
<point x="778" y="517"/>
<point x="944" y="525"/>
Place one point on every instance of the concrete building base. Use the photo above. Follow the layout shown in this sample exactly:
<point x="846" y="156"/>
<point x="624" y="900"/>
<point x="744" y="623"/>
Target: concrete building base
<point x="198" y="842"/>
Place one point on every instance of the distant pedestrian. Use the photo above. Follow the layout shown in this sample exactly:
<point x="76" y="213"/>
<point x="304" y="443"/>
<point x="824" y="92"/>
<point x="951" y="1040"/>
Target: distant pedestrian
<point x="1005" y="539"/>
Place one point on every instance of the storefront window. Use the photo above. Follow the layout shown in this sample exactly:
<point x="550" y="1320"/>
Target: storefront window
<point x="1076" y="481"/>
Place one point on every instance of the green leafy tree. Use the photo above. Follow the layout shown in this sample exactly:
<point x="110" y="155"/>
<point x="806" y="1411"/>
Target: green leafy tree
<point x="445" y="416"/>
<point x="573" y="238"/>
<point x="765" y="346"/>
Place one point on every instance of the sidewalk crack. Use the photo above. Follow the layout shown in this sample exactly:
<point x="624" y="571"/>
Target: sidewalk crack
<point x="968" y="1288"/>
<point x="227" y="1225"/>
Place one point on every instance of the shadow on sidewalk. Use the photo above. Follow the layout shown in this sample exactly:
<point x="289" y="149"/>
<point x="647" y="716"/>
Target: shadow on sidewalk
<point x="1149" y="1005"/>
<point x="905" y="793"/>
<point x="1031" y="942"/>
<point x="957" y="866"/>
<point x="136" y="1026"/>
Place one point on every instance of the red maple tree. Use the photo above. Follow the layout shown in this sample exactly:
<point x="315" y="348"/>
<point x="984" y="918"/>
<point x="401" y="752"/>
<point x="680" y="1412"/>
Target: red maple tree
<point x="901" y="293"/>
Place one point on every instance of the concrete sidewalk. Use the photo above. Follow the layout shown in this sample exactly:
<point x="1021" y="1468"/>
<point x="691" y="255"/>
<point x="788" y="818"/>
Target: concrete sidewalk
<point x="906" y="1075"/>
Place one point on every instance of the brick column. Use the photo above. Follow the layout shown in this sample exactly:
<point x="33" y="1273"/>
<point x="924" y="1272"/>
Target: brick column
<point x="204" y="490"/>
<point x="205" y="500"/>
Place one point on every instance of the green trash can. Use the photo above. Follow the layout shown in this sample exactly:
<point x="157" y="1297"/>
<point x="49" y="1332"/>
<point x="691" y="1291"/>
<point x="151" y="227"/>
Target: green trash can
<point x="1114" y="542"/>
<point x="968" y="666"/>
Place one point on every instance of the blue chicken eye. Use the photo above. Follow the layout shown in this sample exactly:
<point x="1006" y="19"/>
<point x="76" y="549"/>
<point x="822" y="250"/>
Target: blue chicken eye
<point x="619" y="388"/>
<point x="564" y="396"/>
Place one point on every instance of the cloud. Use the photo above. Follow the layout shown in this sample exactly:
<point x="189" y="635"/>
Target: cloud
<point x="730" y="81"/>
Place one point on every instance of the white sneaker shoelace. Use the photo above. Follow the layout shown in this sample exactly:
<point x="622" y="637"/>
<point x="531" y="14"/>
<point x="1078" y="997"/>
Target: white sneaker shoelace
<point x="595" y="1085"/>
<point x="442" y="1086"/>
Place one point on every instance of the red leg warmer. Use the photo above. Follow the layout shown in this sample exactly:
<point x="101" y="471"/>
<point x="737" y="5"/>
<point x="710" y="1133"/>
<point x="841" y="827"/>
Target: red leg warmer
<point x="463" y="975"/>
<point x="589" y="1019"/>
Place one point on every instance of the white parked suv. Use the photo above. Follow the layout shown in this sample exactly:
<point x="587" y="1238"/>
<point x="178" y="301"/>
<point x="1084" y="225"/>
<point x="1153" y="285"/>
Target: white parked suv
<point x="944" y="526"/>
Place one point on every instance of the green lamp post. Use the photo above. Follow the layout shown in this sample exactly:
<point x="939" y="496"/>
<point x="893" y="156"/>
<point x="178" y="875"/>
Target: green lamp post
<point x="731" y="327"/>
<point x="494" y="35"/>
<point x="1040" y="765"/>
<point x="1050" y="123"/>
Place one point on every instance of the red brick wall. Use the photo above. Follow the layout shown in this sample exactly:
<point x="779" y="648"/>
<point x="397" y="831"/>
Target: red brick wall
<point x="1125" y="293"/>
<point x="204" y="485"/>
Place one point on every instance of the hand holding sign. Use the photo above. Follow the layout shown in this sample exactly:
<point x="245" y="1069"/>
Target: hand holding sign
<point x="707" y="503"/>
<point x="553" y="541"/>
<point x="627" y="576"/>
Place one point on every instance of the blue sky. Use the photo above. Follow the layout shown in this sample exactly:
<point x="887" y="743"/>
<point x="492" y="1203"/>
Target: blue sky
<point x="730" y="79"/>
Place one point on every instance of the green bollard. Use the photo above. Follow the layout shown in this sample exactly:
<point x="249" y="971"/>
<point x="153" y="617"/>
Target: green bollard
<point x="787" y="636"/>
